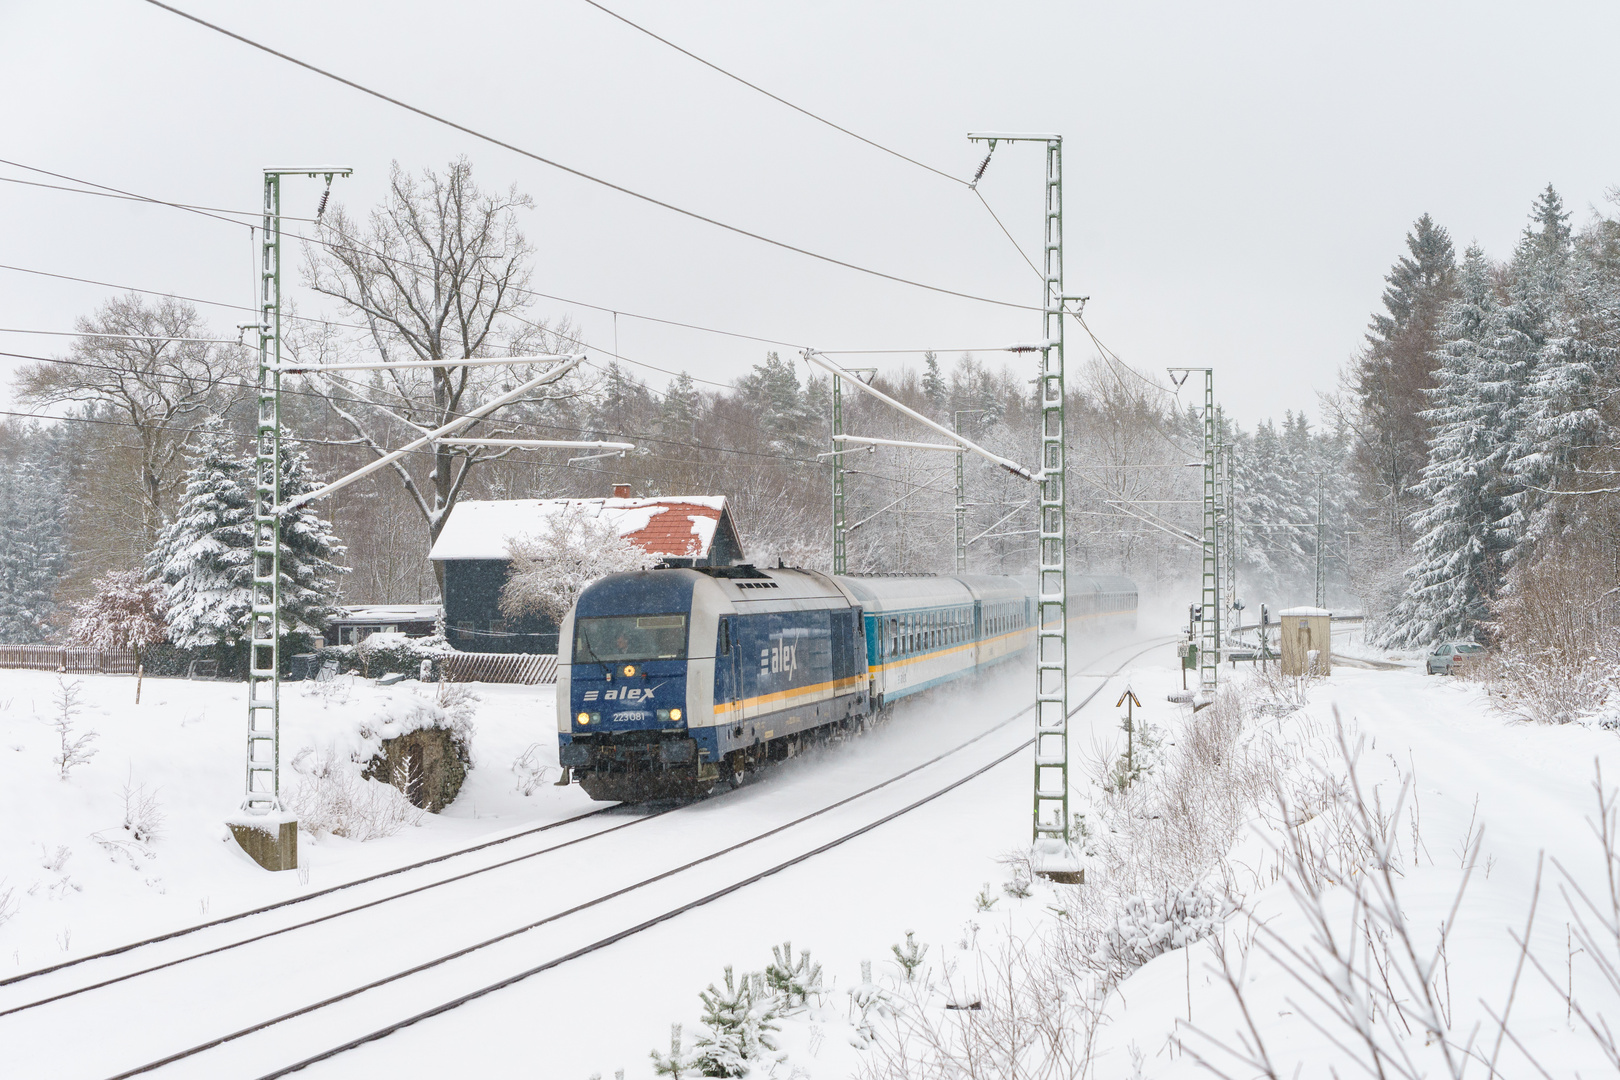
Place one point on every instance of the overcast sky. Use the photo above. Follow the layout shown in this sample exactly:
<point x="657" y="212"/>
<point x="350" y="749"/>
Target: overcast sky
<point x="1239" y="176"/>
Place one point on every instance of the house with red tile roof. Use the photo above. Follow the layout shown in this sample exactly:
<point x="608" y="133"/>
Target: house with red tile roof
<point x="474" y="549"/>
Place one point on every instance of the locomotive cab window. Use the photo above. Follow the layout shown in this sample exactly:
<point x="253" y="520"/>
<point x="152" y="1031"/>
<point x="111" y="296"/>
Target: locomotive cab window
<point x="630" y="637"/>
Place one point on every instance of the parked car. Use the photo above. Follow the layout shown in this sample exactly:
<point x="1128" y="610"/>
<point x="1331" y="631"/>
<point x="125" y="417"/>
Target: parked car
<point x="1447" y="655"/>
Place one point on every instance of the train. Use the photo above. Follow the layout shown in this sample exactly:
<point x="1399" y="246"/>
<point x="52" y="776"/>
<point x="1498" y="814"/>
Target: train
<point x="679" y="679"/>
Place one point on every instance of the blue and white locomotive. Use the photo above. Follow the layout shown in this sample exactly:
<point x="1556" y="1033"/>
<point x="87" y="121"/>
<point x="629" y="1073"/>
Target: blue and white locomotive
<point x="673" y="680"/>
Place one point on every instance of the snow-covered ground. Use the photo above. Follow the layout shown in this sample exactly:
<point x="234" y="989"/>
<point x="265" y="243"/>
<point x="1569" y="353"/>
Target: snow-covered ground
<point x="80" y="883"/>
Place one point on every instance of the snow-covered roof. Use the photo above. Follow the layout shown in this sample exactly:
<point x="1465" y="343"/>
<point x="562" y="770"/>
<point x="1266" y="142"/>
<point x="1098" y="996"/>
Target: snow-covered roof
<point x="1307" y="612"/>
<point x="389" y="613"/>
<point x="680" y="525"/>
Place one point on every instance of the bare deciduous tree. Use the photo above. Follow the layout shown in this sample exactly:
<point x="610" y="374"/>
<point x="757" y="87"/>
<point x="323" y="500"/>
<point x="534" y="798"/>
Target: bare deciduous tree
<point x="438" y="273"/>
<point x="163" y="380"/>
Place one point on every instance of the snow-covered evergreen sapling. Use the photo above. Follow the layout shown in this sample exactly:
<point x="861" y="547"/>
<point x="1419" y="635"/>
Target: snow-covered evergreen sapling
<point x="985" y="900"/>
<point x="910" y="958"/>
<point x="74" y="752"/>
<point x="867" y="1002"/>
<point x="739" y="1026"/>
<point x="794" y="980"/>
<point x="676" y="1065"/>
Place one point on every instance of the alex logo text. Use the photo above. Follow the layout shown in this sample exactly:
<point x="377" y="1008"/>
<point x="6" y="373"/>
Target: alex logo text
<point x="779" y="659"/>
<point x="629" y="693"/>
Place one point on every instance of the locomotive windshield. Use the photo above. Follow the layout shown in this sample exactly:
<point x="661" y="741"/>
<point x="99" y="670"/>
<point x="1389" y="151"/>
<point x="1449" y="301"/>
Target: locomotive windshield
<point x="630" y="637"/>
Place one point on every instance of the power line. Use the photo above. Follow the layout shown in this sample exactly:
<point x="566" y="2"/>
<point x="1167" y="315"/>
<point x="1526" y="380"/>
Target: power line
<point x="1004" y="231"/>
<point x="176" y="296"/>
<point x="493" y="141"/>
<point x="779" y="100"/>
<point x="335" y="245"/>
<point x="123" y="337"/>
<point x="113" y="193"/>
<point x="120" y="193"/>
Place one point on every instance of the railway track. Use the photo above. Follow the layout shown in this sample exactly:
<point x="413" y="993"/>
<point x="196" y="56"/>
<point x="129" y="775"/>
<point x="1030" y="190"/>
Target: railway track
<point x="469" y="965"/>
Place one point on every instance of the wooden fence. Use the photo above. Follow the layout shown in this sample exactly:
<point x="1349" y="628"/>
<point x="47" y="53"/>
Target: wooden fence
<point x="526" y="668"/>
<point x="74" y="661"/>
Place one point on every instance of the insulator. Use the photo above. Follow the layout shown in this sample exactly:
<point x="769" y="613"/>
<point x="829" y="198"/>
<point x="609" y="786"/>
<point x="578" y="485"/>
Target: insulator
<point x="983" y="165"/>
<point x="321" y="209"/>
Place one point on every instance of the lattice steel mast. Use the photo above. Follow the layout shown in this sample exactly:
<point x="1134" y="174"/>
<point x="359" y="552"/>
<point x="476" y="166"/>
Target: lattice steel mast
<point x="1209" y="592"/>
<point x="1051" y="789"/>
<point x="262" y="793"/>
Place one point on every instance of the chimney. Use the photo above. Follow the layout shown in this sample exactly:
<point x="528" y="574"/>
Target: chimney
<point x="621" y="491"/>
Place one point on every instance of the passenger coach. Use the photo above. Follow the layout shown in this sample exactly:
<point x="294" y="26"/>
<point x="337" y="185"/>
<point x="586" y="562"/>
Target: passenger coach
<point x="675" y="679"/>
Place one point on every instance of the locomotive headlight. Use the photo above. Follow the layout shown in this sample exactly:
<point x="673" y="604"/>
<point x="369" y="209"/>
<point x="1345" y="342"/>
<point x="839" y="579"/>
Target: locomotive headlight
<point x="584" y="718"/>
<point x="674" y="714"/>
<point x="629" y="670"/>
<point x="663" y="714"/>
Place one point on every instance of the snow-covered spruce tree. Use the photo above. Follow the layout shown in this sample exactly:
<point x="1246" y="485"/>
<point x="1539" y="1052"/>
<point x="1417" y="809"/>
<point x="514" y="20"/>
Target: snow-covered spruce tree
<point x="1559" y="413"/>
<point x="933" y="384"/>
<point x="124" y="612"/>
<point x="33" y="549"/>
<point x="309" y="552"/>
<point x="1464" y="534"/>
<point x="1391" y="377"/>
<point x="772" y="393"/>
<point x="204" y="557"/>
<point x="550" y="569"/>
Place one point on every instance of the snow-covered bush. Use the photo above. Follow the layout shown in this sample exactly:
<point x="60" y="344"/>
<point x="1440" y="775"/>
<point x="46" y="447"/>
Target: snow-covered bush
<point x="1555" y="650"/>
<point x="1150" y="925"/>
<point x="124" y="612"/>
<point x="573" y="548"/>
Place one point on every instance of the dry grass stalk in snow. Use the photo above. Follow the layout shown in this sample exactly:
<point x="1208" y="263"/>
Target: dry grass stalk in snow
<point x="1018" y="1015"/>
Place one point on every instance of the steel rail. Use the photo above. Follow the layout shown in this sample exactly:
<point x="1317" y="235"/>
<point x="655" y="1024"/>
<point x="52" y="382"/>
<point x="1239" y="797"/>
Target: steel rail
<point x="240" y="942"/>
<point x="172" y="934"/>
